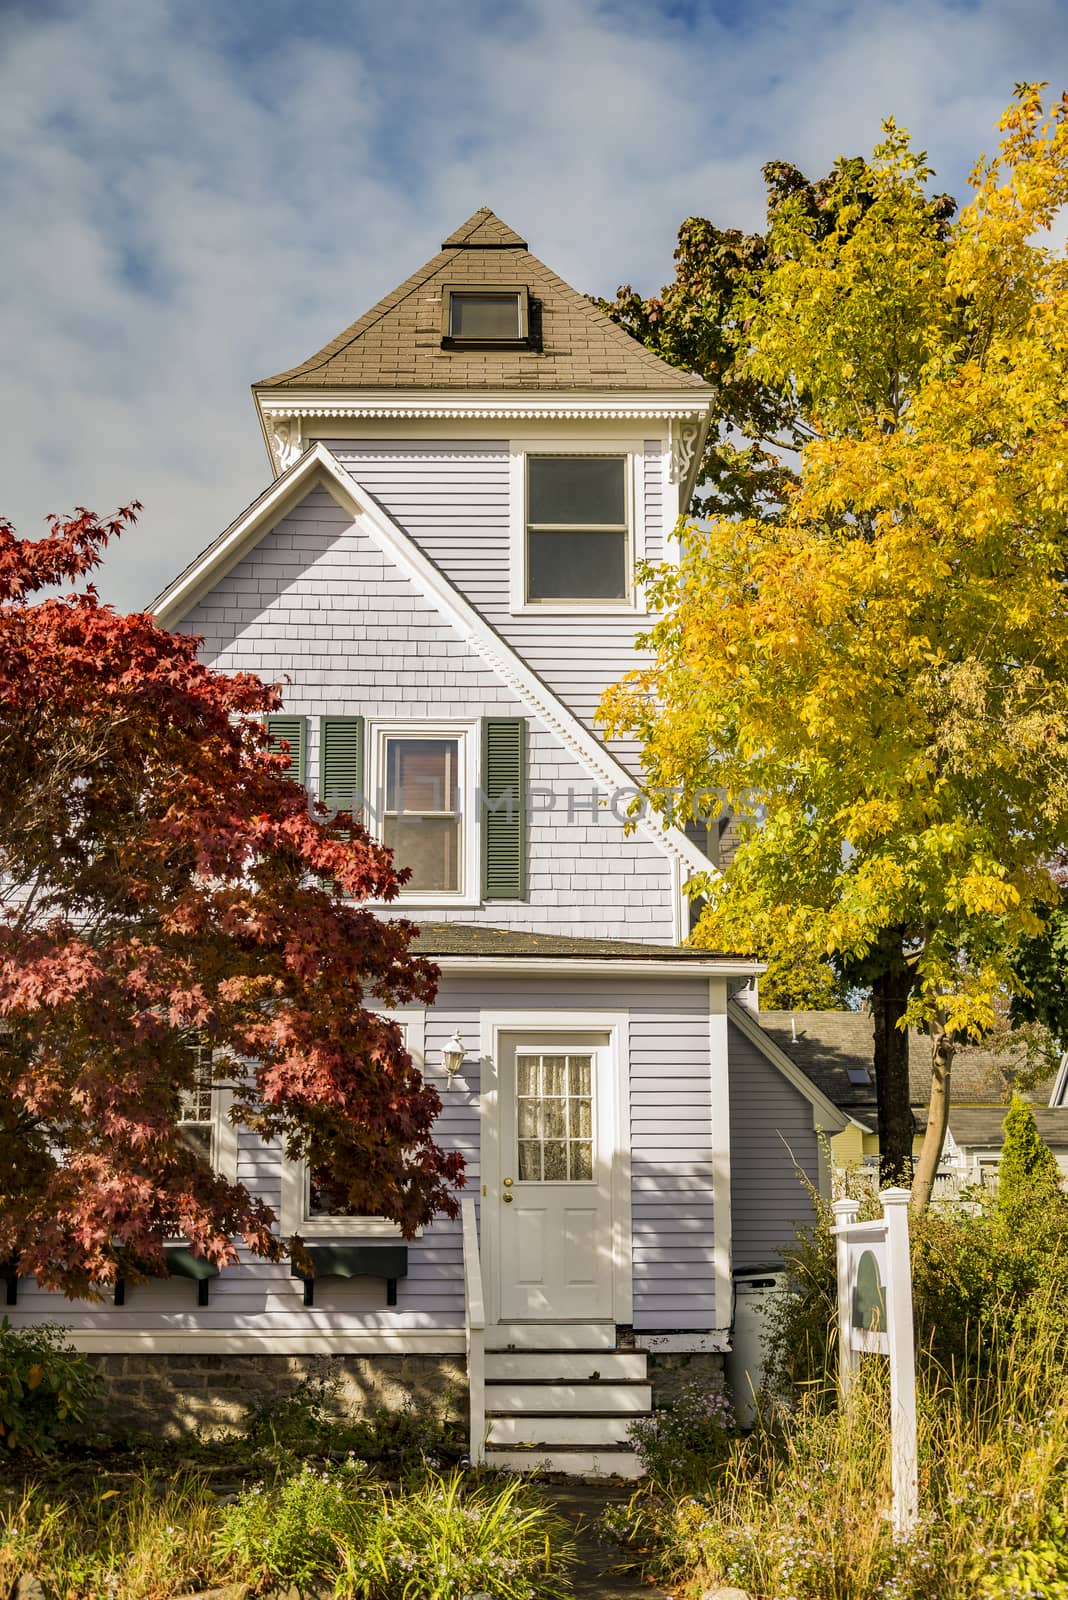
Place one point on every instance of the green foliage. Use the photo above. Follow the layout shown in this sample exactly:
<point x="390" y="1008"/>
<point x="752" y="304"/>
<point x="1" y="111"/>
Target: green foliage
<point x="292" y="1533"/>
<point x="450" y="1540"/>
<point x="444" y="1537"/>
<point x="47" y="1388"/>
<point x="982" y="1276"/>
<point x="149" y="1540"/>
<point x="686" y="1442"/>
<point x="310" y="1421"/>
<point x="799" y="1511"/>
<point x="1028" y="1168"/>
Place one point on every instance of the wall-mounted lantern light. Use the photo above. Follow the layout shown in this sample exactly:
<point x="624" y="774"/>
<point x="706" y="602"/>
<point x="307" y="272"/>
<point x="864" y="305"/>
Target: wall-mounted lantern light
<point x="452" y="1057"/>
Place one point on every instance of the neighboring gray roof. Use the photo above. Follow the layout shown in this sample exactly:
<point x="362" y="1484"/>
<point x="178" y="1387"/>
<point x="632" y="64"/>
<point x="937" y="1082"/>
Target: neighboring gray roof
<point x="467" y="939"/>
<point x="829" y="1043"/>
<point x="981" y="1126"/>
<point x="397" y="344"/>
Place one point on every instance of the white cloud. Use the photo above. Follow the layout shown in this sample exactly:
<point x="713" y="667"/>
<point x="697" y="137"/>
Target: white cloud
<point x="196" y="197"/>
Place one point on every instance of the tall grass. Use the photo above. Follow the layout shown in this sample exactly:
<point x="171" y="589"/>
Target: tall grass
<point x="143" y="1542"/>
<point x="801" y="1511"/>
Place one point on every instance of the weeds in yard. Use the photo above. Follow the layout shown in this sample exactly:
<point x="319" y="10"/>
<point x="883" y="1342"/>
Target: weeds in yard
<point x="144" y="1542"/>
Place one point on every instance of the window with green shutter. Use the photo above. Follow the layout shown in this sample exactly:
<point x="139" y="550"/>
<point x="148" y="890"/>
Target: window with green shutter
<point x="341" y="763"/>
<point x="504" y="821"/>
<point x="281" y="726"/>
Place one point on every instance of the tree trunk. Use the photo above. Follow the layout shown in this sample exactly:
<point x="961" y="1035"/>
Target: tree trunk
<point x="889" y="998"/>
<point x="942" y="1052"/>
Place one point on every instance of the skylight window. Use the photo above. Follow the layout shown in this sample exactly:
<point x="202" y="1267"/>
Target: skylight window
<point x="492" y="314"/>
<point x="859" y="1077"/>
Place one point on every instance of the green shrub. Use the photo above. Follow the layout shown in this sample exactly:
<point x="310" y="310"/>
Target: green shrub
<point x="47" y="1389"/>
<point x="685" y="1443"/>
<point x="444" y="1537"/>
<point x="451" y="1538"/>
<point x="291" y="1533"/>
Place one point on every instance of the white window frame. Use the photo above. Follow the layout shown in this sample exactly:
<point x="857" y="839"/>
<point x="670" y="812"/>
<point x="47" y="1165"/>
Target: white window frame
<point x="466" y="733"/>
<point x="293" y="1214"/>
<point x="223" y="1158"/>
<point x="633" y="452"/>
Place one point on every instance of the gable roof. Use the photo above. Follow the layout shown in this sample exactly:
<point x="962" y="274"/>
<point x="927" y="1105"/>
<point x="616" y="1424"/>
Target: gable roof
<point x="397" y="344"/>
<point x="827" y="1045"/>
<point x="318" y="466"/>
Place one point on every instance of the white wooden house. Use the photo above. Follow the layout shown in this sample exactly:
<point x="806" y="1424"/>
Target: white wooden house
<point x="441" y="571"/>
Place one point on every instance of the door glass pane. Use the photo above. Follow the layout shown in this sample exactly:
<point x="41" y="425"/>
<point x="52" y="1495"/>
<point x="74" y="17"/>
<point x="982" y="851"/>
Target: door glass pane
<point x="529" y="1162"/>
<point x="581" y="1120"/>
<point x="581" y="1162"/>
<point x="554" y="1118"/>
<point x="570" y="490"/>
<point x="554" y="1074"/>
<point x="555" y="1153"/>
<point x="576" y="566"/>
<point x="484" y="316"/>
<point x="529" y="1119"/>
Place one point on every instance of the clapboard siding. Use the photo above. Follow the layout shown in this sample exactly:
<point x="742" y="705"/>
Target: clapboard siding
<point x="672" y="1199"/>
<point x="317" y="607"/>
<point x="671" y="1160"/>
<point x="773" y="1145"/>
<point x="453" y="499"/>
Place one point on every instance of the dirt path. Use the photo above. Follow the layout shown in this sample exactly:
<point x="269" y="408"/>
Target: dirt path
<point x="603" y="1571"/>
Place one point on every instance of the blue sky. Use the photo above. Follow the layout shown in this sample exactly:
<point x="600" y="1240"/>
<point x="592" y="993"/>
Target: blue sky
<point x="196" y="195"/>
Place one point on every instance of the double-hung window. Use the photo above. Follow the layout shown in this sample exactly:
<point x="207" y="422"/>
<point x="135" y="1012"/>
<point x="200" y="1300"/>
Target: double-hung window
<point x="422" y="781"/>
<point x="577" y="529"/>
<point x="203" y="1121"/>
<point x="313" y="1202"/>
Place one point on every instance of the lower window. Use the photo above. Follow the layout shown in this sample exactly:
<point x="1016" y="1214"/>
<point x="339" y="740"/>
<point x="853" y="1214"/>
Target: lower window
<point x="314" y="1204"/>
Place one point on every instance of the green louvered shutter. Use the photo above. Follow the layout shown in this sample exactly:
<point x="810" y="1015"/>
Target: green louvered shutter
<point x="280" y="725"/>
<point x="341" y="763"/>
<point x="504" y="807"/>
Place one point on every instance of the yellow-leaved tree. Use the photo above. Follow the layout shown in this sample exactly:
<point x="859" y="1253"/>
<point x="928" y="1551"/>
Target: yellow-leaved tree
<point x="877" y="676"/>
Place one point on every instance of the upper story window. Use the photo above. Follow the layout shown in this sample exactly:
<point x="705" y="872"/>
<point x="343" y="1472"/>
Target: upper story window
<point x="577" y="529"/>
<point x="491" y="314"/>
<point x="422" y="783"/>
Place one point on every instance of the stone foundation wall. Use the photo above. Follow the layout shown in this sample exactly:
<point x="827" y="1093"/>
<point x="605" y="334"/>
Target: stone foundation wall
<point x="172" y="1395"/>
<point x="669" y="1371"/>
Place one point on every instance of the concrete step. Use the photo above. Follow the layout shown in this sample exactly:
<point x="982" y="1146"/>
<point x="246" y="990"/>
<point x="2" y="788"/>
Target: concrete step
<point x="566" y="1366"/>
<point x="557" y="1428"/>
<point x="574" y="1460"/>
<point x="552" y="1336"/>
<point x="505" y="1395"/>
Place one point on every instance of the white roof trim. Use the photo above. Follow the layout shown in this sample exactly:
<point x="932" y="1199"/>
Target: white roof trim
<point x="317" y="464"/>
<point x="600" y="966"/>
<point x="611" y="404"/>
<point x="831" y="1119"/>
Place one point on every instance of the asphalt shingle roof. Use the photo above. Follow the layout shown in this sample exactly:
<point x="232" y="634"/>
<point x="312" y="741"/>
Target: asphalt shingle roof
<point x="470" y="939"/>
<point x="397" y="344"/>
<point x="829" y="1043"/>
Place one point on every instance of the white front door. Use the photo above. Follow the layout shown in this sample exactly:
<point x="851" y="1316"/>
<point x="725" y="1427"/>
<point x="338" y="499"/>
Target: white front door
<point x="555" y="1237"/>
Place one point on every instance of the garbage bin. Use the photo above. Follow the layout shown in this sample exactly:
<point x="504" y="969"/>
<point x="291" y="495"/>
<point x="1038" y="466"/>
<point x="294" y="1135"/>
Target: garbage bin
<point x="755" y="1292"/>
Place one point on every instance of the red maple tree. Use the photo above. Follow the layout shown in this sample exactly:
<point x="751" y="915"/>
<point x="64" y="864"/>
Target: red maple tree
<point x="159" y="892"/>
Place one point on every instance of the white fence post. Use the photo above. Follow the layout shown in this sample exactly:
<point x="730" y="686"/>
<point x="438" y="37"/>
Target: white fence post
<point x="895" y="1203"/>
<point x="845" y="1212"/>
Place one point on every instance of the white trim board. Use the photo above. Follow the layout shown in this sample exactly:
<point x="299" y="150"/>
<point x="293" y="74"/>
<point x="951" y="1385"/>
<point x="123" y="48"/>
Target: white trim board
<point x="324" y="1342"/>
<point x="682" y="966"/>
<point x="826" y="1117"/>
<point x="317" y="467"/>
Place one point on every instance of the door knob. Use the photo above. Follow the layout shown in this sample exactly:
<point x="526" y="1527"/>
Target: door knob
<point x="508" y="1199"/>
